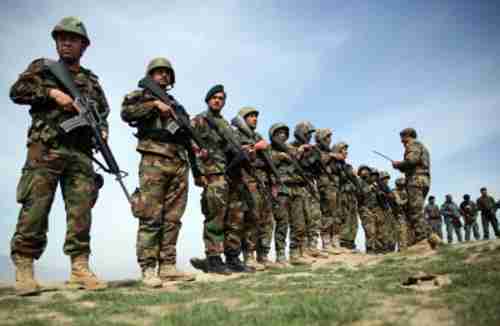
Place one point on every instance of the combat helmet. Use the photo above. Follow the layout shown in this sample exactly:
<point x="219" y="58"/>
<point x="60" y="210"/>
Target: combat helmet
<point x="244" y="111"/>
<point x="320" y="136"/>
<point x="384" y="175"/>
<point x="161" y="62"/>
<point x="361" y="168"/>
<point x="275" y="127"/>
<point x="71" y="25"/>
<point x="339" y="146"/>
<point x="302" y="129"/>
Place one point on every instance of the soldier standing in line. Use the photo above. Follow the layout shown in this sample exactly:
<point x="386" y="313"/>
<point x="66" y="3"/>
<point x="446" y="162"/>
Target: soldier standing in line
<point x="432" y="215"/>
<point x="486" y="204"/>
<point x="290" y="209"/>
<point x="56" y="158"/>
<point x="401" y="201"/>
<point x="416" y="168"/>
<point x="469" y="211"/>
<point x="389" y="223"/>
<point x="367" y="204"/>
<point x="451" y="214"/>
<point x="310" y="159"/>
<point x="161" y="200"/>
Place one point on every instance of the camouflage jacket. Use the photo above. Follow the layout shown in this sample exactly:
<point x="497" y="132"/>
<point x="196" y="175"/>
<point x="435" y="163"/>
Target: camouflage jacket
<point x="469" y="211"/>
<point x="308" y="159"/>
<point x="139" y="111"/>
<point x="325" y="181"/>
<point x="486" y="205"/>
<point x="283" y="162"/>
<point x="32" y="88"/>
<point x="347" y="176"/>
<point x="432" y="212"/>
<point x="368" y="194"/>
<point x="215" y="144"/>
<point x="258" y="164"/>
<point x="416" y="161"/>
<point x="401" y="200"/>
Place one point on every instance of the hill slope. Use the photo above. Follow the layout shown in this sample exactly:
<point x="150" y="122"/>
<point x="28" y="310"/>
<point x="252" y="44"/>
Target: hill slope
<point x="458" y="285"/>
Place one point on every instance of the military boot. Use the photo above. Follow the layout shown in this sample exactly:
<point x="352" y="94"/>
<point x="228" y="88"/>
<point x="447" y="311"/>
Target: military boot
<point x="81" y="275"/>
<point x="252" y="262"/>
<point x="316" y="253"/>
<point x="235" y="265"/>
<point x="434" y="241"/>
<point x="168" y="273"/>
<point x="149" y="278"/>
<point x="297" y="260"/>
<point x="217" y="266"/>
<point x="304" y="254"/>
<point x="200" y="264"/>
<point x="25" y="276"/>
<point x="281" y="260"/>
<point x="264" y="260"/>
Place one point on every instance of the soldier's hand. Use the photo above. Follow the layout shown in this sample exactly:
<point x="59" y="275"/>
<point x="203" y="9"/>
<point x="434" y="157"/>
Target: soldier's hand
<point x="62" y="99"/>
<point x="201" y="181"/>
<point x="165" y="110"/>
<point x="274" y="191"/>
<point x="283" y="156"/>
<point x="104" y="135"/>
<point x="396" y="164"/>
<point x="261" y="145"/>
<point x="337" y="156"/>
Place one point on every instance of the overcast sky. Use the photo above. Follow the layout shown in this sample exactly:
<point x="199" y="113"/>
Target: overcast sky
<point x="366" y="69"/>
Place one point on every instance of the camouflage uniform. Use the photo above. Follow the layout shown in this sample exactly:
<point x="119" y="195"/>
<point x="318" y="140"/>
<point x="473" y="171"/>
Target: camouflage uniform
<point x="416" y="167"/>
<point x="161" y="199"/>
<point x="55" y="159"/>
<point x="290" y="209"/>
<point x="329" y="192"/>
<point x="433" y="216"/>
<point x="469" y="211"/>
<point x="401" y="201"/>
<point x="487" y="206"/>
<point x="368" y="205"/>
<point x="451" y="215"/>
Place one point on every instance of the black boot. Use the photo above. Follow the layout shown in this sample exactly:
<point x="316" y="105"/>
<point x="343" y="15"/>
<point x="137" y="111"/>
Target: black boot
<point x="235" y="265"/>
<point x="199" y="263"/>
<point x="217" y="266"/>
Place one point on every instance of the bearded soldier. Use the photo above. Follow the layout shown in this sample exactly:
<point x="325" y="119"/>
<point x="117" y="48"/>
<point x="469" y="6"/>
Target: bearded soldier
<point x="433" y="217"/>
<point x="469" y="211"/>
<point x="367" y="205"/>
<point x="161" y="200"/>
<point x="401" y="202"/>
<point x="56" y="158"/>
<point x="310" y="160"/>
<point x="416" y="168"/>
<point x="349" y="187"/>
<point x="328" y="184"/>
<point x="290" y="209"/>
<point x="486" y="204"/>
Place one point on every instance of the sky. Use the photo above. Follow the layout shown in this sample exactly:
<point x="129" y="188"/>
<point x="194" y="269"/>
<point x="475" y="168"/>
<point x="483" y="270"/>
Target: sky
<point x="365" y="69"/>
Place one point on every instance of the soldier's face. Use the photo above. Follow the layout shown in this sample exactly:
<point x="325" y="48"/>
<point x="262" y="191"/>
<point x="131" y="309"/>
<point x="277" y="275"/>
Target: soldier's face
<point x="251" y="120"/>
<point x="385" y="181"/>
<point x="281" y="135"/>
<point x="327" y="140"/>
<point x="309" y="137"/>
<point x="405" y="140"/>
<point x="70" y="47"/>
<point x="484" y="192"/>
<point x="162" y="76"/>
<point x="364" y="174"/>
<point x="345" y="152"/>
<point x="217" y="101"/>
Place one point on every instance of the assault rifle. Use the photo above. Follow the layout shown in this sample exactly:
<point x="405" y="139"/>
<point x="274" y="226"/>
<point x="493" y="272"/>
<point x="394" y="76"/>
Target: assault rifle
<point x="180" y="122"/>
<point x="240" y="123"/>
<point x="88" y="117"/>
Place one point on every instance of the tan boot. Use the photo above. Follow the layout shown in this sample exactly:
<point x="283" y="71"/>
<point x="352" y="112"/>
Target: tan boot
<point x="267" y="263"/>
<point x="434" y="241"/>
<point x="250" y="261"/>
<point x="149" y="278"/>
<point x="297" y="260"/>
<point x="168" y="273"/>
<point x="81" y="275"/>
<point x="25" y="276"/>
<point x="316" y="253"/>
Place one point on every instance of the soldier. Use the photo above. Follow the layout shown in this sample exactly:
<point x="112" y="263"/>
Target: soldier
<point x="367" y="208"/>
<point x="416" y="168"/>
<point x="469" y="211"/>
<point x="451" y="214"/>
<point x="433" y="217"/>
<point x="401" y="201"/>
<point x="486" y="204"/>
<point x="348" y="202"/>
<point x="55" y="158"/>
<point x="328" y="185"/>
<point x="310" y="160"/>
<point x="290" y="209"/>
<point x="390" y="212"/>
<point x="161" y="200"/>
<point x="378" y="211"/>
<point x="259" y="218"/>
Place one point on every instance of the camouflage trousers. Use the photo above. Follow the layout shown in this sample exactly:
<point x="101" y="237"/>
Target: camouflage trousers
<point x="312" y="218"/>
<point x="402" y="232"/>
<point x="258" y="222"/>
<point x="369" y="222"/>
<point x="452" y="228"/>
<point x="238" y="222"/>
<point x="473" y="228"/>
<point x="436" y="226"/>
<point x="380" y="222"/>
<point x="389" y="230"/>
<point x="163" y="197"/>
<point x="486" y="220"/>
<point x="329" y="213"/>
<point x="44" y="169"/>
<point x="292" y="208"/>
<point x="349" y="211"/>
<point x="417" y="189"/>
